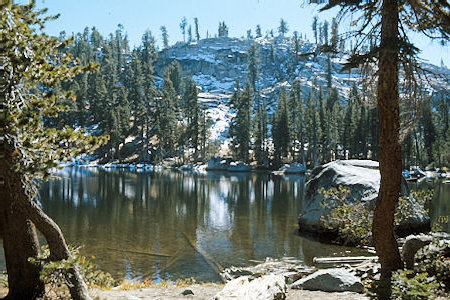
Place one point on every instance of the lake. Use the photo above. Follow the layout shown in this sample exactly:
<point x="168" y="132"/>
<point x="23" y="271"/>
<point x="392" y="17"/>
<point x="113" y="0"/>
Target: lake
<point x="119" y="216"/>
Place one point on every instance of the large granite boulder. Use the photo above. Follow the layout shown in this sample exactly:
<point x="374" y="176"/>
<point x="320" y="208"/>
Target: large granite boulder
<point x="267" y="287"/>
<point x="293" y="168"/>
<point x="362" y="177"/>
<point x="239" y="166"/>
<point x="330" y="280"/>
<point x="218" y="164"/>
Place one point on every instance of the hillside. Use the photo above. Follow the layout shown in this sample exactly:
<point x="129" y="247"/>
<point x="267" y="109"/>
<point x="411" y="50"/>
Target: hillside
<point x="216" y="63"/>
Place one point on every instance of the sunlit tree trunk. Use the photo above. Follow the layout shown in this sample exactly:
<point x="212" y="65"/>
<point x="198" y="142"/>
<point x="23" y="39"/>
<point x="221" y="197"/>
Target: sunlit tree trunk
<point x="390" y="151"/>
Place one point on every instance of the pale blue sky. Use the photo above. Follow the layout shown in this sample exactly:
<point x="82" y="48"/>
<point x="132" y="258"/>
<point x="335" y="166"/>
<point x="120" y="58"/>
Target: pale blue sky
<point x="240" y="15"/>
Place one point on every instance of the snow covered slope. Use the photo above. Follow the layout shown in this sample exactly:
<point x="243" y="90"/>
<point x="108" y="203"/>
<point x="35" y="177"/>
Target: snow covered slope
<point x="216" y="63"/>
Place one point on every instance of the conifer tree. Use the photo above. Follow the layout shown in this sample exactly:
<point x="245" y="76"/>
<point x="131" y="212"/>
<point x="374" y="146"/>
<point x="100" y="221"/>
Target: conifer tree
<point x="197" y="33"/>
<point x="31" y="65"/>
<point x="183" y="25"/>
<point x="325" y="32"/>
<point x="240" y="133"/>
<point x="165" y="37"/>
<point x="192" y="114"/>
<point x="253" y="64"/>
<point x="388" y="19"/>
<point x="283" y="28"/>
<point x="314" y="27"/>
<point x="296" y="46"/>
<point x="281" y="129"/>
<point x="334" y="34"/>
<point x="261" y="133"/>
<point x="223" y="29"/>
<point x="189" y="34"/>
<point x="249" y="34"/>
<point x="175" y="74"/>
<point x="258" y="31"/>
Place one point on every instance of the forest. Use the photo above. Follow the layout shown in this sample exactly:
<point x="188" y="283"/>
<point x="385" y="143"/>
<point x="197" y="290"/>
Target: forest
<point x="164" y="119"/>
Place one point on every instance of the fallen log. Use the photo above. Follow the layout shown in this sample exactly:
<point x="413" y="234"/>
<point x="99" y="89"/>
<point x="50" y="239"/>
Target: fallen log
<point x="344" y="260"/>
<point x="208" y="259"/>
<point x="140" y="252"/>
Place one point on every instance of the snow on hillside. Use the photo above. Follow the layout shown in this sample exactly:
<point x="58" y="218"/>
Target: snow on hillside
<point x="216" y="63"/>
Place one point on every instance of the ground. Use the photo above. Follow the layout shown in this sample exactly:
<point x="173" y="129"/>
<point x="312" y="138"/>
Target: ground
<point x="203" y="292"/>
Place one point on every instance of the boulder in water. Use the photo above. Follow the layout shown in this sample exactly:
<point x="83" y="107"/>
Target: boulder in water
<point x="362" y="178"/>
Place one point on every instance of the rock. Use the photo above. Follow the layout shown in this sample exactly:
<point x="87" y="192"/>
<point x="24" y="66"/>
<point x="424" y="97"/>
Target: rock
<point x="293" y="168"/>
<point x="238" y="166"/>
<point x="330" y="280"/>
<point x="412" y="244"/>
<point x="290" y="268"/>
<point x="187" y="292"/>
<point x="268" y="287"/>
<point x="218" y="164"/>
<point x="362" y="177"/>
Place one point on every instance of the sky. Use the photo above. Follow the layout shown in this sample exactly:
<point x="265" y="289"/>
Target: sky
<point x="137" y="16"/>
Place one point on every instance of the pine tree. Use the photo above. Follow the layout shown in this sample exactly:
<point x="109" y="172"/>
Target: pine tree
<point x="175" y="74"/>
<point x="296" y="46"/>
<point x="249" y="34"/>
<point x="192" y="115"/>
<point x="166" y="120"/>
<point x="297" y="119"/>
<point x="429" y="131"/>
<point x="165" y="37"/>
<point x="31" y="66"/>
<point x="258" y="31"/>
<point x="314" y="27"/>
<point x="283" y="28"/>
<point x="281" y="129"/>
<point x="223" y="29"/>
<point x="329" y="72"/>
<point x="239" y="129"/>
<point x="325" y="32"/>
<point x="428" y="17"/>
<point x="189" y="34"/>
<point x="197" y="33"/>
<point x="261" y="134"/>
<point x="313" y="129"/>
<point x="334" y="34"/>
<point x="183" y="25"/>
<point x="253" y="64"/>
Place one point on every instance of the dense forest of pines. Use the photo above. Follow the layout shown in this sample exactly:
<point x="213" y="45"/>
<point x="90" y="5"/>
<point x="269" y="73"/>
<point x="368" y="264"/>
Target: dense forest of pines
<point x="149" y="123"/>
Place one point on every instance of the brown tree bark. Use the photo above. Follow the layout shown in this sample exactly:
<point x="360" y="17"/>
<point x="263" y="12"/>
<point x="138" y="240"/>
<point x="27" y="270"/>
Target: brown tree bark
<point x="22" y="196"/>
<point x="20" y="242"/>
<point x="390" y="150"/>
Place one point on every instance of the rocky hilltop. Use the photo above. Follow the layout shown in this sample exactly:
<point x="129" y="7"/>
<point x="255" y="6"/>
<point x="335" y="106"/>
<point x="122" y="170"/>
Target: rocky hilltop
<point x="216" y="63"/>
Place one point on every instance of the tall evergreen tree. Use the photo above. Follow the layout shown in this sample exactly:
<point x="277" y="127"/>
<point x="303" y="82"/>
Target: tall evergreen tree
<point x="425" y="16"/>
<point x="253" y="64"/>
<point x="240" y="133"/>
<point x="190" y="34"/>
<point x="315" y="28"/>
<point x="192" y="114"/>
<point x="164" y="36"/>
<point x="197" y="33"/>
<point x="183" y="25"/>
<point x="31" y="66"/>
<point x="283" y="28"/>
<point x="258" y="31"/>
<point x="281" y="129"/>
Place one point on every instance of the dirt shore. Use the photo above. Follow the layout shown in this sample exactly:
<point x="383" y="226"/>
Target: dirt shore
<point x="204" y="292"/>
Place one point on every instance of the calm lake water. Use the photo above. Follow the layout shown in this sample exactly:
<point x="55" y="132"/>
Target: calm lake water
<point x="235" y="218"/>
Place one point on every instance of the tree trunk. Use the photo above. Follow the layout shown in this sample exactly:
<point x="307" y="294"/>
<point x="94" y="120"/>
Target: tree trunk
<point x="19" y="192"/>
<point x="390" y="151"/>
<point x="20" y="242"/>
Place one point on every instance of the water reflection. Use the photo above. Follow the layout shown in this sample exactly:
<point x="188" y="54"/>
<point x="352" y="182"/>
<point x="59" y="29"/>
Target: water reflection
<point x="233" y="217"/>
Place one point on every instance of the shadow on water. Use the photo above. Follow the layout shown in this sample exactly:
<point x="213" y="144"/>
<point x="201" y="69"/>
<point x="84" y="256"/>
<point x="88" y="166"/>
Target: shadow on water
<point x="234" y="218"/>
